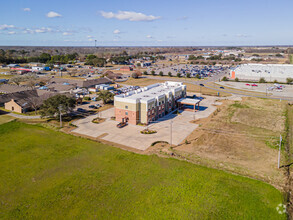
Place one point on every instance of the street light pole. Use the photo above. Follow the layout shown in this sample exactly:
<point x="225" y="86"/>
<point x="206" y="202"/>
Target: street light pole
<point x="171" y="133"/>
<point x="60" y="109"/>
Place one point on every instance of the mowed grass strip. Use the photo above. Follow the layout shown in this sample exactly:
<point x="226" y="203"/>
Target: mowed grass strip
<point x="46" y="174"/>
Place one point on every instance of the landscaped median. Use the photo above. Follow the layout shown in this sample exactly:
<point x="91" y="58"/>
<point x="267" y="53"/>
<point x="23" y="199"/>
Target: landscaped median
<point x="46" y="174"/>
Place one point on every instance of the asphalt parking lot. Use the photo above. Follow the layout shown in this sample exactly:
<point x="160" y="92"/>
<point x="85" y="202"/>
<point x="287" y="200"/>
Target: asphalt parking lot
<point x="130" y="135"/>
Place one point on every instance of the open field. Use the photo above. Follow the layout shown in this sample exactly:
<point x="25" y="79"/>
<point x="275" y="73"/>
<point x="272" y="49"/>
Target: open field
<point x="190" y="87"/>
<point x="45" y="174"/>
<point x="242" y="137"/>
<point x="5" y="119"/>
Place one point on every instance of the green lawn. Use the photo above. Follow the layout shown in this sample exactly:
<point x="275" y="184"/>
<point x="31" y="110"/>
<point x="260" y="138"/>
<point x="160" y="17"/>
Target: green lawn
<point x="46" y="174"/>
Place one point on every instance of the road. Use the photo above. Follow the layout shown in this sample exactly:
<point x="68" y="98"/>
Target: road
<point x="216" y="79"/>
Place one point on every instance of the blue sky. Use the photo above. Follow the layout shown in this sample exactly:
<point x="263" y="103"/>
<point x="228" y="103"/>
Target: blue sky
<point x="146" y="23"/>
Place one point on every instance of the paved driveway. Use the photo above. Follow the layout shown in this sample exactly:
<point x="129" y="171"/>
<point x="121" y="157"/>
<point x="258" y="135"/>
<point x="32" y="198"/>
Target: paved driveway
<point x="130" y="135"/>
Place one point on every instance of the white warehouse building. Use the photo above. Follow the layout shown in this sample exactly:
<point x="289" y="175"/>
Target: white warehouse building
<point x="270" y="72"/>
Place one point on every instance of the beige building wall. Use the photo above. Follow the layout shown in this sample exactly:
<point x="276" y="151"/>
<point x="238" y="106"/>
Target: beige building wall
<point x="127" y="106"/>
<point x="13" y="106"/>
<point x="143" y="113"/>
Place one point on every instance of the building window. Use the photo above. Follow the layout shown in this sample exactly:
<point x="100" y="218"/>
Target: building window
<point x="126" y="113"/>
<point x="126" y="106"/>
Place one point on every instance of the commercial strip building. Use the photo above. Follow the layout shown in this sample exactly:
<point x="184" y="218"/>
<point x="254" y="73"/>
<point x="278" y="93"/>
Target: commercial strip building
<point x="149" y="103"/>
<point x="270" y="72"/>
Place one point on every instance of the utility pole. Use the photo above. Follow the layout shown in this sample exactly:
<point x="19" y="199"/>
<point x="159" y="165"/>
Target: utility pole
<point x="279" y="155"/>
<point x="171" y="122"/>
<point x="60" y="109"/>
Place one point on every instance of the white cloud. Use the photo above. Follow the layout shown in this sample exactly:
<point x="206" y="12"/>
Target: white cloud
<point x="149" y="36"/>
<point x="39" y="30"/>
<point x="129" y="15"/>
<point x="90" y="36"/>
<point x="43" y="30"/>
<point x="182" y="18"/>
<point x="53" y="14"/>
<point x="242" y="35"/>
<point x="66" y="33"/>
<point x="6" y="26"/>
<point x="26" y="9"/>
<point x="11" y="32"/>
<point x="91" y="39"/>
<point x="116" y="31"/>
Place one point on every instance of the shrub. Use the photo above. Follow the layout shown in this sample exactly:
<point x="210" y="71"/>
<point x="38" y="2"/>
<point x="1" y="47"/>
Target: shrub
<point x="262" y="80"/>
<point x="134" y="75"/>
<point x="289" y="80"/>
<point x="145" y="73"/>
<point x="224" y="78"/>
<point x="188" y="75"/>
<point x="170" y="74"/>
<point x="86" y="98"/>
<point x="161" y="73"/>
<point x="153" y="72"/>
<point x="236" y="79"/>
<point x="146" y="131"/>
<point x="179" y="75"/>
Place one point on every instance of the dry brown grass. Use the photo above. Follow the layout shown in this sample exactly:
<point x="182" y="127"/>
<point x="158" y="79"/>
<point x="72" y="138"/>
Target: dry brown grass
<point x="240" y="137"/>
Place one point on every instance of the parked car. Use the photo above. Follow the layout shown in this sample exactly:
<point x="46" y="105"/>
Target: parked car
<point x="247" y="84"/>
<point x="254" y="84"/>
<point x="98" y="105"/>
<point x="93" y="106"/>
<point x="201" y="84"/>
<point x="81" y="110"/>
<point x="121" y="124"/>
<point x="222" y="87"/>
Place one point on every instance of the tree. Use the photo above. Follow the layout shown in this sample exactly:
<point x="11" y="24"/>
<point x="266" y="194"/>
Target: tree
<point x="289" y="80"/>
<point x="57" y="104"/>
<point x="179" y="75"/>
<point x="188" y="75"/>
<point x="35" y="102"/>
<point x="153" y="72"/>
<point x="145" y="73"/>
<point x="224" y="78"/>
<point x="16" y="80"/>
<point x="262" y="80"/>
<point x="236" y="79"/>
<point x="170" y="74"/>
<point x="106" y="96"/>
<point x="134" y="75"/>
<point x="161" y="73"/>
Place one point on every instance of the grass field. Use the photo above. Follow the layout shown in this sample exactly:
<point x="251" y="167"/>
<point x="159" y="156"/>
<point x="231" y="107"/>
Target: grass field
<point x="5" y="119"/>
<point x="45" y="174"/>
<point x="242" y="137"/>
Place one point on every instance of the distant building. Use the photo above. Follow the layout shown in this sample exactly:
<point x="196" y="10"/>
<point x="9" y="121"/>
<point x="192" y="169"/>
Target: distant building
<point x="126" y="68"/>
<point x="149" y="103"/>
<point x="270" y="72"/>
<point x="9" y="88"/>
